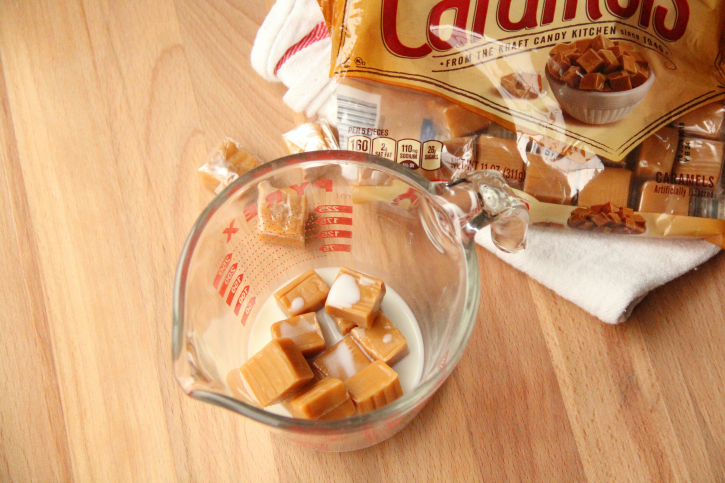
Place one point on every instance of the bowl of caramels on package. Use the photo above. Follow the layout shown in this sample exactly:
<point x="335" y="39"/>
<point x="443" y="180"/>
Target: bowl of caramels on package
<point x="598" y="80"/>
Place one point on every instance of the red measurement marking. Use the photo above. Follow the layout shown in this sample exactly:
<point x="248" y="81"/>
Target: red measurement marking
<point x="443" y="362"/>
<point x="336" y="247"/>
<point x="408" y="195"/>
<point x="229" y="231"/>
<point x="334" y="220"/>
<point x="325" y="184"/>
<point x="242" y="296"/>
<point x="274" y="197"/>
<point x="333" y="209"/>
<point x="227" y="279"/>
<point x="300" y="190"/>
<point x="335" y="234"/>
<point x="233" y="291"/>
<point x="221" y="270"/>
<point x="250" y="211"/>
<point x="248" y="310"/>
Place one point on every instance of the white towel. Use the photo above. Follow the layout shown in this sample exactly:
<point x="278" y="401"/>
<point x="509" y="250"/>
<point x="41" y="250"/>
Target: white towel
<point x="606" y="275"/>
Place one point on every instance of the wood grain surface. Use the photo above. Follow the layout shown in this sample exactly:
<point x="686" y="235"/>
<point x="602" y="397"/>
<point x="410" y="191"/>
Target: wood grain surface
<point x="107" y="109"/>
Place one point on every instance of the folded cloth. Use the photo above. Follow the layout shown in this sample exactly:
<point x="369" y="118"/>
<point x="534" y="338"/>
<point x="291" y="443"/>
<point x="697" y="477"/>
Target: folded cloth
<point x="293" y="46"/>
<point x="606" y="275"/>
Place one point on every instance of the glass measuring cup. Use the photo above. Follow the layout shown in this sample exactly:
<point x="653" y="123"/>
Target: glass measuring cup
<point x="365" y="213"/>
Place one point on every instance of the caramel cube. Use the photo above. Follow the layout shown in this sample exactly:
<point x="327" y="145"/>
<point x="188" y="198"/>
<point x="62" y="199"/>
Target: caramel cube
<point x="619" y="81"/>
<point x="545" y="182"/>
<point x="592" y="82"/>
<point x="638" y="57"/>
<point x="276" y="372"/>
<point x="557" y="65"/>
<point x="355" y="297"/>
<point x="601" y="42"/>
<point x="522" y="85"/>
<point x="698" y="163"/>
<point x="609" y="186"/>
<point x="502" y="155"/>
<point x="461" y="121"/>
<point x="665" y="198"/>
<point x="305" y="332"/>
<point x="306" y="293"/>
<point x="624" y="45"/>
<point x="318" y="399"/>
<point x="657" y="155"/>
<point x="610" y="61"/>
<point x="628" y="63"/>
<point x="590" y="61"/>
<point x="618" y="51"/>
<point x="705" y="122"/>
<point x="374" y="387"/>
<point x="343" y="324"/>
<point x="342" y="361"/>
<point x="282" y="214"/>
<point x="573" y="57"/>
<point x="562" y="49"/>
<point x="344" y="410"/>
<point x="640" y="77"/>
<point x="572" y="76"/>
<point x="583" y="45"/>
<point x="383" y="341"/>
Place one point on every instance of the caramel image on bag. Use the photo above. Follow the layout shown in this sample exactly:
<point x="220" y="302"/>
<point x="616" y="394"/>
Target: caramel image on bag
<point x="624" y="98"/>
<point x="485" y="55"/>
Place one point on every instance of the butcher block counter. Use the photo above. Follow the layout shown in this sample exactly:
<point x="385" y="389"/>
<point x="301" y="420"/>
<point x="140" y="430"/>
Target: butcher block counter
<point x="108" y="109"/>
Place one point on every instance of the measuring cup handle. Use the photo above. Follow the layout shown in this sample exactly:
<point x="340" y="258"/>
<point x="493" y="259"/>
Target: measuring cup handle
<point x="482" y="198"/>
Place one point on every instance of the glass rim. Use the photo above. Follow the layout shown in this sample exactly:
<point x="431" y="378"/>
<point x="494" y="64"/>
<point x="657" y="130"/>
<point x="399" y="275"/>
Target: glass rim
<point x="422" y="391"/>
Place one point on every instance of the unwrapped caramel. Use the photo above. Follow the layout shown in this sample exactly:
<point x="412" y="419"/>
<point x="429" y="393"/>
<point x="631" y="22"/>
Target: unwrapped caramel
<point x="375" y="386"/>
<point x="356" y="297"/>
<point x="304" y="330"/>
<point x="383" y="341"/>
<point x="318" y="399"/>
<point x="276" y="372"/>
<point x="342" y="360"/>
<point x="343" y="324"/>
<point x="306" y="293"/>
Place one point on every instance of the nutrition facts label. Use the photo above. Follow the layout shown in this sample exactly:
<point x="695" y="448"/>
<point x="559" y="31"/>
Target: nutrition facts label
<point x="408" y="152"/>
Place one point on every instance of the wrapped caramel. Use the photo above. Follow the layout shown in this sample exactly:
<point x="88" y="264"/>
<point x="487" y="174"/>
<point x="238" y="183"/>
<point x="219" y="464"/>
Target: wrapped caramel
<point x="604" y="118"/>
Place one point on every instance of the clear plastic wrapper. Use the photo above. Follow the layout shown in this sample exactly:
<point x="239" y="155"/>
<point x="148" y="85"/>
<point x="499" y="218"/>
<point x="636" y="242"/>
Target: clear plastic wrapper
<point x="606" y="119"/>
<point x="227" y="162"/>
<point x="311" y="136"/>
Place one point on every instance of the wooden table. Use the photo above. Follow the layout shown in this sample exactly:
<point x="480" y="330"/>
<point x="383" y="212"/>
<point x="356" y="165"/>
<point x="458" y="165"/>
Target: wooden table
<point x="108" y="108"/>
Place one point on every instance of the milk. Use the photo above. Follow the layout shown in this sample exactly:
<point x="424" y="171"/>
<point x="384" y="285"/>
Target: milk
<point x="409" y="369"/>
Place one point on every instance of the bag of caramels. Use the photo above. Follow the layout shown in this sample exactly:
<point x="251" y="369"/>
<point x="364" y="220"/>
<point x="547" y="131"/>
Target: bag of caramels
<point x="605" y="117"/>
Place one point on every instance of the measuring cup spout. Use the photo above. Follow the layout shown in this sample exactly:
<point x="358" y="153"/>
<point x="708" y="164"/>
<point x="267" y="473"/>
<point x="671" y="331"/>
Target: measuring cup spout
<point x="482" y="198"/>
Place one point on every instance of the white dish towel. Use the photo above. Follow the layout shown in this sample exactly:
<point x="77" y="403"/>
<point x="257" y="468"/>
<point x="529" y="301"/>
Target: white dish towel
<point x="606" y="275"/>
